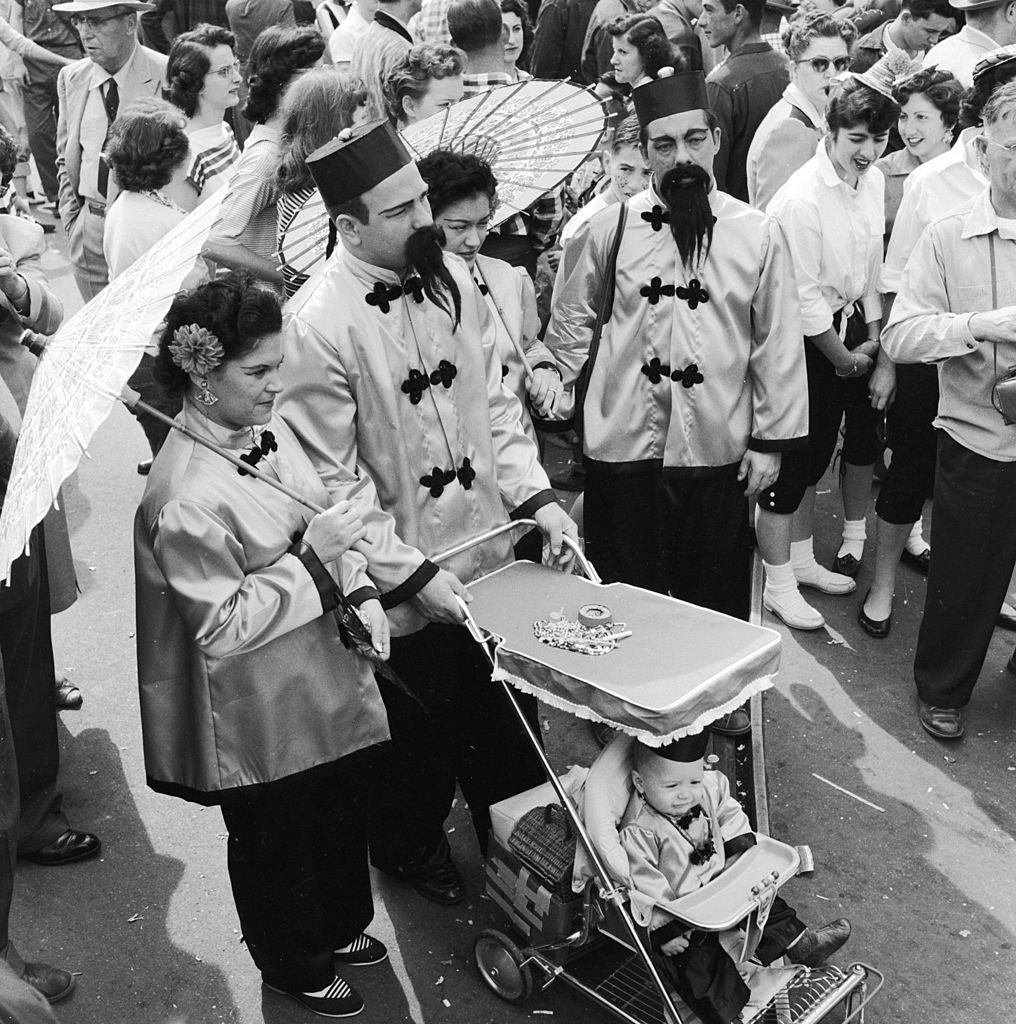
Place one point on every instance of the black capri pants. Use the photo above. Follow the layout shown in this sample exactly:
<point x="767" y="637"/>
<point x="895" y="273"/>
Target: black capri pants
<point x="830" y="398"/>
<point x="911" y="435"/>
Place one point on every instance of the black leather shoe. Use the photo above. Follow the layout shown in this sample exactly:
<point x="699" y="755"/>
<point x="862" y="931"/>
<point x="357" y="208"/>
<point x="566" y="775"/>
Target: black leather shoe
<point x="816" y="945"/>
<point x="434" y="876"/>
<point x="50" y="982"/>
<point x="919" y="562"/>
<point x="846" y="565"/>
<point x="877" y="628"/>
<point x="71" y="846"/>
<point x="942" y="723"/>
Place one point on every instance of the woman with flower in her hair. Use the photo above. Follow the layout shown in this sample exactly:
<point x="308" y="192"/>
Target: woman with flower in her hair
<point x="249" y="700"/>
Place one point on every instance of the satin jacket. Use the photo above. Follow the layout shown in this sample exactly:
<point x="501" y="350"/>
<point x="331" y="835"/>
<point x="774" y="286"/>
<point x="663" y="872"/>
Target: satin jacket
<point x="692" y="369"/>
<point x="243" y="677"/>
<point x="511" y="302"/>
<point x="658" y="855"/>
<point x="385" y="388"/>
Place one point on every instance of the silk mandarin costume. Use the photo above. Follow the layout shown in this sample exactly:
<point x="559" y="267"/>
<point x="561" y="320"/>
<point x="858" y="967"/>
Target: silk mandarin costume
<point x="693" y="368"/>
<point x="380" y="382"/>
<point x="249" y="699"/>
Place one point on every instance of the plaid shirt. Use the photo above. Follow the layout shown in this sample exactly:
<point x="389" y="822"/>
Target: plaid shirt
<point x="431" y="24"/>
<point x="541" y="223"/>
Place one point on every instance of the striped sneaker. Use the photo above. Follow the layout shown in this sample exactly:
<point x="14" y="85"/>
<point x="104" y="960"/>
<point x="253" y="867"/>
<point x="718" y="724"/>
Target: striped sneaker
<point x="339" y="999"/>
<point x="363" y="951"/>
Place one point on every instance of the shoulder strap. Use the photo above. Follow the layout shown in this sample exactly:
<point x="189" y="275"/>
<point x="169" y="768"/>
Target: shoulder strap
<point x="799" y="115"/>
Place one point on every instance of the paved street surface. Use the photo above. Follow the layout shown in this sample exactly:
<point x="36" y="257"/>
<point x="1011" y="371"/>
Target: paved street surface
<point x="928" y="875"/>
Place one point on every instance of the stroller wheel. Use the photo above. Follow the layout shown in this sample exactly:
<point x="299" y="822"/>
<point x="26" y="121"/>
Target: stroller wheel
<point x="503" y="967"/>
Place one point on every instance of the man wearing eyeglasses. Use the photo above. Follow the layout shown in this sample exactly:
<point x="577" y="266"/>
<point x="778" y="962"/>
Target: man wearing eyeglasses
<point x="115" y="71"/>
<point x="956" y="307"/>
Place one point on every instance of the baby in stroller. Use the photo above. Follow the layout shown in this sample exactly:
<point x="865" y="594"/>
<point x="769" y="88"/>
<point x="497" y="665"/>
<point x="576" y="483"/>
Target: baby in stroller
<point x="682" y="828"/>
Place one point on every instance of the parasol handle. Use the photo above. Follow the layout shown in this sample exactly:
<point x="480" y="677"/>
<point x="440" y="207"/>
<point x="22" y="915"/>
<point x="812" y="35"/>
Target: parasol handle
<point x="133" y="401"/>
<point x="34" y="342"/>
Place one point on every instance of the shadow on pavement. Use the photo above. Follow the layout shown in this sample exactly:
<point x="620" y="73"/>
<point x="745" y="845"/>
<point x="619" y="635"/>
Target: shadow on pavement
<point x="107" y="918"/>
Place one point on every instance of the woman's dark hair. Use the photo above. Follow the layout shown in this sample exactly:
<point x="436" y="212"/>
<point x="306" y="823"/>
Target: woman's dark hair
<point x="808" y="25"/>
<point x="474" y="25"/>
<point x="518" y="8"/>
<point x="189" y="62"/>
<point x="236" y="308"/>
<point x="146" y="143"/>
<point x="8" y="157"/>
<point x="412" y="75"/>
<point x="277" y="54"/>
<point x="854" y="103"/>
<point x="318" y="106"/>
<point x="940" y="88"/>
<point x="453" y="177"/>
<point x="984" y="85"/>
<point x="646" y="34"/>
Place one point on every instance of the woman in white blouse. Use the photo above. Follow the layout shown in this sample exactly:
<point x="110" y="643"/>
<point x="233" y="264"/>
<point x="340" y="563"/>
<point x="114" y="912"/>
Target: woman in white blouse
<point x="832" y="210"/>
<point x="203" y="80"/>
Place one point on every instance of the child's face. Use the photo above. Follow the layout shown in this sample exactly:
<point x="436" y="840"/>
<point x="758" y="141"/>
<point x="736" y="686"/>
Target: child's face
<point x="628" y="171"/>
<point x="670" y="787"/>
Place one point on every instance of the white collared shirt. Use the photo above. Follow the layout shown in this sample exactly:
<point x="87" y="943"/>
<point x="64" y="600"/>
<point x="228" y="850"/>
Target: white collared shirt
<point x="835" y="238"/>
<point x="94" y="125"/>
<point x="946" y="280"/>
<point x="959" y="53"/>
<point x="932" y="190"/>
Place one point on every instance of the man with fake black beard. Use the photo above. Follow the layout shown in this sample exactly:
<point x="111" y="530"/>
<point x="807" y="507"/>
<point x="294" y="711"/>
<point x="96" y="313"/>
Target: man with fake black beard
<point x="697" y="383"/>
<point x="391" y="373"/>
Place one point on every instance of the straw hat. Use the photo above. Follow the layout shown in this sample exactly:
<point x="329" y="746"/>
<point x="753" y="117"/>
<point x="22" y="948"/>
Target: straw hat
<point x="90" y="6"/>
<point x="994" y="59"/>
<point x="885" y="72"/>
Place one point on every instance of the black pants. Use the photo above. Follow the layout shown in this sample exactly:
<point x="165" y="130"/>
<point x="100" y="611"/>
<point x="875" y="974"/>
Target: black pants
<point x="705" y="976"/>
<point x="973" y="535"/>
<point x="9" y="810"/>
<point x="297" y="857"/>
<point x="469" y="733"/>
<point x="41" y="108"/>
<point x="911" y="476"/>
<point x="27" y="649"/>
<point x="830" y="399"/>
<point x="678" y="535"/>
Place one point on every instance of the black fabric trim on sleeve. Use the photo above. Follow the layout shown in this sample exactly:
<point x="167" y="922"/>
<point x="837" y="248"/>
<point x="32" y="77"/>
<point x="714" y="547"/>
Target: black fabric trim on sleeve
<point x="739" y="844"/>
<point x="531" y="505"/>
<point x="546" y="364"/>
<point x="361" y="594"/>
<point x="663" y="934"/>
<point x="413" y="585"/>
<point x="551" y="426"/>
<point x="326" y="587"/>
<point x="790" y="444"/>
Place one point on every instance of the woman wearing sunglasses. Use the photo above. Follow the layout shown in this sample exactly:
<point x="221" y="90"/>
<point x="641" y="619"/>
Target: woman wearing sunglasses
<point x="203" y="80"/>
<point x="819" y="49"/>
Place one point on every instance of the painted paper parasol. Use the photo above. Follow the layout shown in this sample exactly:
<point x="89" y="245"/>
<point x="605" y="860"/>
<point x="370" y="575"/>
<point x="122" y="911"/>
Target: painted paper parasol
<point x="533" y="134"/>
<point x="84" y="368"/>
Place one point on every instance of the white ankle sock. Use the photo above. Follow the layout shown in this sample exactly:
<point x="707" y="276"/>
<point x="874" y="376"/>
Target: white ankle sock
<point x="916" y="544"/>
<point x="780" y="578"/>
<point x="855" y="532"/>
<point x="802" y="553"/>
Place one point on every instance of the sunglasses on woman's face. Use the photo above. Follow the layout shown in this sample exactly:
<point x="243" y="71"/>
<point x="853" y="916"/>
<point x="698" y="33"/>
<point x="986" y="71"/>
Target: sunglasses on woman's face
<point x="820" y="65"/>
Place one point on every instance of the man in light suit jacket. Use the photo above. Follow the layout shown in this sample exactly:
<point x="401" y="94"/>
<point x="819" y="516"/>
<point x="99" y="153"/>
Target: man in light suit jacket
<point x="115" y="71"/>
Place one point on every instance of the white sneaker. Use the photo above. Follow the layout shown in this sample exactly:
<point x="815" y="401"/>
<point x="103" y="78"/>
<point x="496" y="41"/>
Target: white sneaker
<point x="792" y="609"/>
<point x="819" y="578"/>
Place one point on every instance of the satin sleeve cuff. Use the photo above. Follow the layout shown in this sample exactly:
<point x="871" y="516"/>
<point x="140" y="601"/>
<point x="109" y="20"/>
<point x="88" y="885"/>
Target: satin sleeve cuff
<point x="361" y="594"/>
<point x="787" y="444"/>
<point x="546" y="364"/>
<point x="671" y="930"/>
<point x="531" y="505"/>
<point x="738" y="844"/>
<point x="327" y="588"/>
<point x="405" y="590"/>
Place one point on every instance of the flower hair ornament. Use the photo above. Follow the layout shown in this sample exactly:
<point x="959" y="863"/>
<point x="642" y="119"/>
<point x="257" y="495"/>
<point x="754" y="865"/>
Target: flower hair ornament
<point x="197" y="351"/>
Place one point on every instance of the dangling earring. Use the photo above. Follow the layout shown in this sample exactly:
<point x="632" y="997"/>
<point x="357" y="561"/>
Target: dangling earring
<point x="205" y="397"/>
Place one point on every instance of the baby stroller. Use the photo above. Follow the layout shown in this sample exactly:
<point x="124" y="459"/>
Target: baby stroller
<point x="682" y="668"/>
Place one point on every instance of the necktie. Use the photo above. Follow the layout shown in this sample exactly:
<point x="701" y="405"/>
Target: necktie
<point x="111" y="101"/>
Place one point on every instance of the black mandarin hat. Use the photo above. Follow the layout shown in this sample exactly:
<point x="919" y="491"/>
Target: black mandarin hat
<point x="687" y="748"/>
<point x="355" y="161"/>
<point x="668" y="94"/>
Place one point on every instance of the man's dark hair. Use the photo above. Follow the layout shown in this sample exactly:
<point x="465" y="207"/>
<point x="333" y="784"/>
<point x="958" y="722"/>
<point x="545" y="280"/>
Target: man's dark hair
<point x="755" y="9"/>
<point x="855" y="103"/>
<point x="474" y="25"/>
<point x="355" y="208"/>
<point x="189" y="62"/>
<point x="452" y="177"/>
<point x="146" y="143"/>
<point x="236" y="308"/>
<point x="926" y="8"/>
<point x="276" y="56"/>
